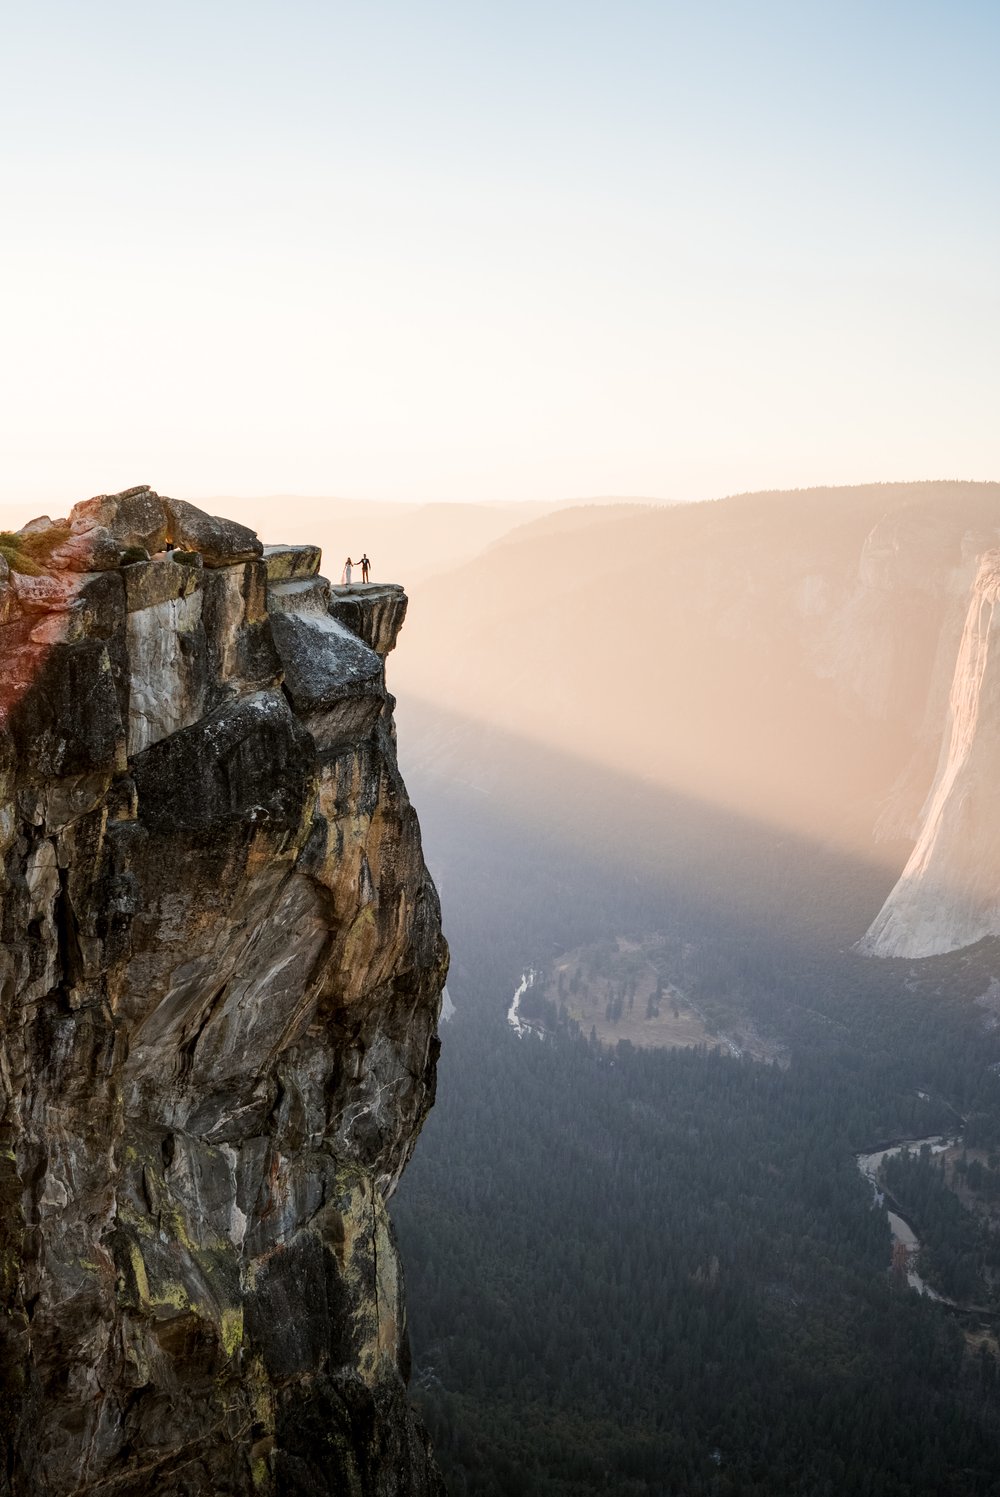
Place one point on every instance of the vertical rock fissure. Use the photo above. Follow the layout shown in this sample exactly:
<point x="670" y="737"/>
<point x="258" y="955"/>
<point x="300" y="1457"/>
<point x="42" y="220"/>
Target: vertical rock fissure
<point x="67" y="932"/>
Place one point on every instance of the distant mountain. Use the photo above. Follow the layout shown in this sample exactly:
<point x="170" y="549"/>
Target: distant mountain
<point x="406" y="542"/>
<point x="786" y="656"/>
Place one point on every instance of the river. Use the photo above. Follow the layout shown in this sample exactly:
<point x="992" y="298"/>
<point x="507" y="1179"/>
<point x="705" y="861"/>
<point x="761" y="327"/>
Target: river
<point x="902" y="1232"/>
<point x="518" y="1025"/>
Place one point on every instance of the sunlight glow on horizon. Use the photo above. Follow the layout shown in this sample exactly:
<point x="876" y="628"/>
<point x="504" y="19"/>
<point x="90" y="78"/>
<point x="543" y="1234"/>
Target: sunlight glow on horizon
<point x="448" y="253"/>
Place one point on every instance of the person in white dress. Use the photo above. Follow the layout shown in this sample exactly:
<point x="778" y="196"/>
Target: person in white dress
<point x="346" y="579"/>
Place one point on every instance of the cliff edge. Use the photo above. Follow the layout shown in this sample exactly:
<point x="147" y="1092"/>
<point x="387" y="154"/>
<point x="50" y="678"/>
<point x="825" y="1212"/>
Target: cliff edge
<point x="220" y="976"/>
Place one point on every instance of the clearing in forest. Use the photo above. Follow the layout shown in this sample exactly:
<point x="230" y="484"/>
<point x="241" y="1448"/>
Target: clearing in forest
<point x="614" y="988"/>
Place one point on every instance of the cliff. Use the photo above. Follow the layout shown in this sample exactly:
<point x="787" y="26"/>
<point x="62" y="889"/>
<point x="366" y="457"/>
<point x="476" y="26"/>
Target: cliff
<point x="220" y="976"/>
<point x="948" y="895"/>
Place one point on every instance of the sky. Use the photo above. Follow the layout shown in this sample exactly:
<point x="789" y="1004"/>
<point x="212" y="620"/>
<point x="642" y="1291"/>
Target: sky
<point x="480" y="252"/>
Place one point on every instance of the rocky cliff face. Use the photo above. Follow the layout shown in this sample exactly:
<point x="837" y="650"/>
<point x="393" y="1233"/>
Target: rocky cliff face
<point x="220" y="978"/>
<point x="949" y="893"/>
<point x="891" y="644"/>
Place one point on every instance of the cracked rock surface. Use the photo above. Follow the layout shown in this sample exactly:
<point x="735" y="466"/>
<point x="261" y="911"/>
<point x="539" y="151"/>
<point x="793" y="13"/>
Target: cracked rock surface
<point x="221" y="969"/>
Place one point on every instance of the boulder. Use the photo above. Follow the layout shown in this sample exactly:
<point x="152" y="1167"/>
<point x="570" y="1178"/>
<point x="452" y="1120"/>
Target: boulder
<point x="100" y="529"/>
<point x="221" y="542"/>
<point x="285" y="562"/>
<point x="39" y="525"/>
<point x="135" y="517"/>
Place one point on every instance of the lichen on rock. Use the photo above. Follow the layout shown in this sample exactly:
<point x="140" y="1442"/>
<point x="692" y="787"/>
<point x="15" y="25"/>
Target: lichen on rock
<point x="221" y="970"/>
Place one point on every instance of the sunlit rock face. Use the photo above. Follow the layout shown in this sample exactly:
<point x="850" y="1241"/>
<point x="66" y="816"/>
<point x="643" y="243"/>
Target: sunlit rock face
<point x="949" y="893"/>
<point x="374" y="613"/>
<point x="891" y="644"/>
<point x="220" y="975"/>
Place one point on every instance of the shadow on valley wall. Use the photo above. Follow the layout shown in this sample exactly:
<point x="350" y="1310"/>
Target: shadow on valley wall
<point x="536" y="853"/>
<point x="817" y="665"/>
<point x="642" y="842"/>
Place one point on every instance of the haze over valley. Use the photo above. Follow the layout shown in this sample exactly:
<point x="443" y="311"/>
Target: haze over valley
<point x="706" y="792"/>
<point x="709" y="1200"/>
<point x="500" y="847"/>
<point x="672" y="764"/>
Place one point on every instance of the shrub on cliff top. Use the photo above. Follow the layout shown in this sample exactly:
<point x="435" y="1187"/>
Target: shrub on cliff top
<point x="26" y="551"/>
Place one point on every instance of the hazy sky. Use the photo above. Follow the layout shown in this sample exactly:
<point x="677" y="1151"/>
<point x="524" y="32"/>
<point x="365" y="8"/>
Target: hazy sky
<point x="508" y="250"/>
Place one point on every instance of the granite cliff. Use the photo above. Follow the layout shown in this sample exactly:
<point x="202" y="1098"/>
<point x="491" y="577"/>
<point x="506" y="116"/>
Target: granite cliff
<point x="220" y="974"/>
<point x="948" y="895"/>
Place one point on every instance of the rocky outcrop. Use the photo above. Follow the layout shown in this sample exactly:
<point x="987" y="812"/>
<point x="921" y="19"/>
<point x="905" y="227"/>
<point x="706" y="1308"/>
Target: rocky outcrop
<point x="374" y="613"/>
<point x="220" y="542"/>
<point x="220" y="978"/>
<point x="948" y="895"/>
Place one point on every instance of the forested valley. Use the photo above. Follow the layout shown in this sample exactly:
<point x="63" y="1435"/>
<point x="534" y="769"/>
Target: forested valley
<point x="661" y="1271"/>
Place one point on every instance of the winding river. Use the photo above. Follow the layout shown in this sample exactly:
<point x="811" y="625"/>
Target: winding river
<point x="902" y="1232"/>
<point x="518" y="1025"/>
<point x="869" y="1164"/>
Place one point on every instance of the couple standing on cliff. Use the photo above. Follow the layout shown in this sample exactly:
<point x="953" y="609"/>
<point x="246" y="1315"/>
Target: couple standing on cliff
<point x="364" y="564"/>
